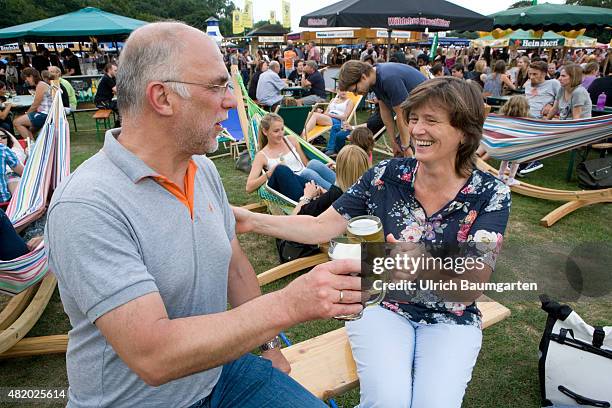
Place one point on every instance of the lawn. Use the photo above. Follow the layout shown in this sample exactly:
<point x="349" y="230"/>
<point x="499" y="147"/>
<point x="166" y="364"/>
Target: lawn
<point x="506" y="372"/>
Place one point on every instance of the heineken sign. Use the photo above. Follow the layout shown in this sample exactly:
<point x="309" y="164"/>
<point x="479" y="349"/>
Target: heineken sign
<point x="540" y="43"/>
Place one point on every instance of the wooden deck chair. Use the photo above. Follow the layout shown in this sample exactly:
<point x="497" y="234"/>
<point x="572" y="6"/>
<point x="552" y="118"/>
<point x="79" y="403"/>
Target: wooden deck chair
<point x="523" y="140"/>
<point x="352" y="117"/>
<point x="47" y="165"/>
<point x="294" y="116"/>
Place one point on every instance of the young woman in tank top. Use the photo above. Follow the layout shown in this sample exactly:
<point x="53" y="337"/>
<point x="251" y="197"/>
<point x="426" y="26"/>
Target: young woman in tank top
<point x="281" y="162"/>
<point x="337" y="112"/>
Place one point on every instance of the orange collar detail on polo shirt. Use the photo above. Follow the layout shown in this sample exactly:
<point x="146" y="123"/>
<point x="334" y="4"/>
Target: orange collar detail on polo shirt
<point x="187" y="197"/>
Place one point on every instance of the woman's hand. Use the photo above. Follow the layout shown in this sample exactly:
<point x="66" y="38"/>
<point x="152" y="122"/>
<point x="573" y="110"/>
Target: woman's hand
<point x="311" y="190"/>
<point x="34" y="242"/>
<point x="244" y="220"/>
<point x="319" y="110"/>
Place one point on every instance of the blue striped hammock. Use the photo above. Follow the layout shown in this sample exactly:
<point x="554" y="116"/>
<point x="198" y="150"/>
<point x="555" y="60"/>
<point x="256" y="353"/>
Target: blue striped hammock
<point x="524" y="139"/>
<point x="47" y="165"/>
<point x="255" y="113"/>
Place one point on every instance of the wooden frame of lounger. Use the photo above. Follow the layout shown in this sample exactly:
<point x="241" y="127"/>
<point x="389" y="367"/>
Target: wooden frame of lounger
<point x="575" y="199"/>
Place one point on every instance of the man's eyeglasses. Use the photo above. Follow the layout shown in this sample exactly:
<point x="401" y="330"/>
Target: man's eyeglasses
<point x="220" y="88"/>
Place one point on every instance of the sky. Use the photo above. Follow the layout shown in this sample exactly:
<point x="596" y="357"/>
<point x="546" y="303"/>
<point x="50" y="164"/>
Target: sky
<point x="261" y="8"/>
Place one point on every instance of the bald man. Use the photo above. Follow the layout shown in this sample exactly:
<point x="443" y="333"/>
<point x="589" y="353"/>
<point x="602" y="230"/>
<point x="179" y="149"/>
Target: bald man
<point x="141" y="238"/>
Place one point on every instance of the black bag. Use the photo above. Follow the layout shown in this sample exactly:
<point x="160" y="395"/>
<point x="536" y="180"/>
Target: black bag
<point x="595" y="174"/>
<point x="243" y="162"/>
<point x="289" y="250"/>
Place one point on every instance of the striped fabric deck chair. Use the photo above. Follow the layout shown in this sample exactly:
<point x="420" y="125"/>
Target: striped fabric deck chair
<point x="319" y="130"/>
<point x="524" y="139"/>
<point x="47" y="165"/>
<point x="276" y="202"/>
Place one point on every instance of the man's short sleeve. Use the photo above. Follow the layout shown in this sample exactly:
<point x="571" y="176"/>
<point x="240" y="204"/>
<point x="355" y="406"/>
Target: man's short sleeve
<point x="101" y="264"/>
<point x="229" y="221"/>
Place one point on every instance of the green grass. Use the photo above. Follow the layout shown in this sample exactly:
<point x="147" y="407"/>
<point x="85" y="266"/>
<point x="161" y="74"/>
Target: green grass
<point x="506" y="372"/>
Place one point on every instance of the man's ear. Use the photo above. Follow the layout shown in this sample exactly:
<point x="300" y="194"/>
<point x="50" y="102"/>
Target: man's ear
<point x="159" y="99"/>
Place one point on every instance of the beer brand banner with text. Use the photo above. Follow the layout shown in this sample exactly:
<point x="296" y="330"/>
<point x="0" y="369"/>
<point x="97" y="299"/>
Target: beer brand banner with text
<point x="286" y="13"/>
<point x="248" y="14"/>
<point x="237" y="27"/>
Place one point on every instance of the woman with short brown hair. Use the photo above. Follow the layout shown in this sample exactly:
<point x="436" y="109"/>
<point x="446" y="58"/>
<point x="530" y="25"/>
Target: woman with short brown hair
<point x="572" y="101"/>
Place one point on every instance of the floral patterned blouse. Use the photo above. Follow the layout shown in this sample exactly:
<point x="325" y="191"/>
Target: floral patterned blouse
<point x="477" y="216"/>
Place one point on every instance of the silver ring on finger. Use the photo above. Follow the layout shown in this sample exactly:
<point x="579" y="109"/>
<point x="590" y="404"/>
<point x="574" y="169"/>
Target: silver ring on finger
<point x="341" y="296"/>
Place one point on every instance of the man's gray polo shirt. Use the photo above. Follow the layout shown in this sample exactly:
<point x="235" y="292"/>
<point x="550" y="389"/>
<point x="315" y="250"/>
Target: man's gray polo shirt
<point x="114" y="234"/>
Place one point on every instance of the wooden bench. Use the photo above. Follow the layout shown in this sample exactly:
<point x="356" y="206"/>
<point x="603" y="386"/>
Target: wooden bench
<point x="603" y="147"/>
<point x="324" y="365"/>
<point x="102" y="117"/>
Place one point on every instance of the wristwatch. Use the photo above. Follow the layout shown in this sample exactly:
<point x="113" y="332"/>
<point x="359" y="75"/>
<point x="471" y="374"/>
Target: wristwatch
<point x="305" y="199"/>
<point x="271" y="345"/>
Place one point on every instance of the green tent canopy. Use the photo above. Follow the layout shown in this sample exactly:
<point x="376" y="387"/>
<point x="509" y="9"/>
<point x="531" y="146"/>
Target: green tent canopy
<point x="78" y="25"/>
<point x="555" y="17"/>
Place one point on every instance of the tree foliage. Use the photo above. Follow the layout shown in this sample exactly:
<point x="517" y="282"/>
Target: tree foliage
<point x="193" y="12"/>
<point x="591" y="3"/>
<point x="519" y="4"/>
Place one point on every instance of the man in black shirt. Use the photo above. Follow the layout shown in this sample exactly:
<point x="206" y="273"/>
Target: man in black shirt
<point x="313" y="80"/>
<point x="71" y="63"/>
<point x="106" y="88"/>
<point x="41" y="61"/>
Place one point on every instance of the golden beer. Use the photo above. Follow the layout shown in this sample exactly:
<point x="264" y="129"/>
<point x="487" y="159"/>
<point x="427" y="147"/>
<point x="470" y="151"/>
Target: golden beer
<point x="366" y="228"/>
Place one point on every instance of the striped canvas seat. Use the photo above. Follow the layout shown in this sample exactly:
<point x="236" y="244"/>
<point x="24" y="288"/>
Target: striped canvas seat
<point x="47" y="165"/>
<point x="525" y="139"/>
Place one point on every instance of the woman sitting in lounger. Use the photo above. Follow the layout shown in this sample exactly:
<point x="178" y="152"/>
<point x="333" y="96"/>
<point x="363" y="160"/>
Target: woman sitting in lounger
<point x="285" y="166"/>
<point x="436" y="198"/>
<point x="336" y="113"/>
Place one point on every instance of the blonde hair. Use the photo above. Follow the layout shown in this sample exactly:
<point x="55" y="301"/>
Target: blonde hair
<point x="480" y="66"/>
<point x="264" y="124"/>
<point x="351" y="163"/>
<point x="517" y="106"/>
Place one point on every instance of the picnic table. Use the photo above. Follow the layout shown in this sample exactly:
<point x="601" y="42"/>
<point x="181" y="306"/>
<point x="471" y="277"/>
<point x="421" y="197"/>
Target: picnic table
<point x="21" y="102"/>
<point x="295" y="91"/>
<point x="607" y="110"/>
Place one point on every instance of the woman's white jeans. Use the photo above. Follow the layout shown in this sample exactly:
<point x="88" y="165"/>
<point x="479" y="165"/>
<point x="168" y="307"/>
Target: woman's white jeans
<point x="403" y="364"/>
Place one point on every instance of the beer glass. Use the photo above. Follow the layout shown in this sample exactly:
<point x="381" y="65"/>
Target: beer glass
<point x="366" y="228"/>
<point x="350" y="248"/>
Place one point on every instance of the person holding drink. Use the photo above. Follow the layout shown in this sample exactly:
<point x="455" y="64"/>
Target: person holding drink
<point x="436" y="198"/>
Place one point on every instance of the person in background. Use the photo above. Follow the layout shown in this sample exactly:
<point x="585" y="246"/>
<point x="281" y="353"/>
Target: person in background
<point x="362" y="136"/>
<point x="269" y="86"/>
<point x="261" y="67"/>
<point x="56" y="73"/>
<point x="572" y="100"/>
<point x="107" y="89"/>
<point x="6" y="121"/>
<point x="458" y="71"/>
<point x="289" y="59"/>
<point x="518" y="107"/>
<point x="437" y="70"/>
<point x="313" y="80"/>
<point x="522" y="74"/>
<point x="368" y="51"/>
<point x="423" y="63"/>
<point x="296" y="74"/>
<point x="335" y="115"/>
<point x="36" y="115"/>
<point x="552" y="72"/>
<point x="314" y="54"/>
<point x="287" y="169"/>
<point x="71" y="63"/>
<point x="589" y="74"/>
<point x="494" y="82"/>
<point x="40" y="61"/>
<point x="602" y="85"/>
<point x="392" y="83"/>
<point x="10" y="167"/>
